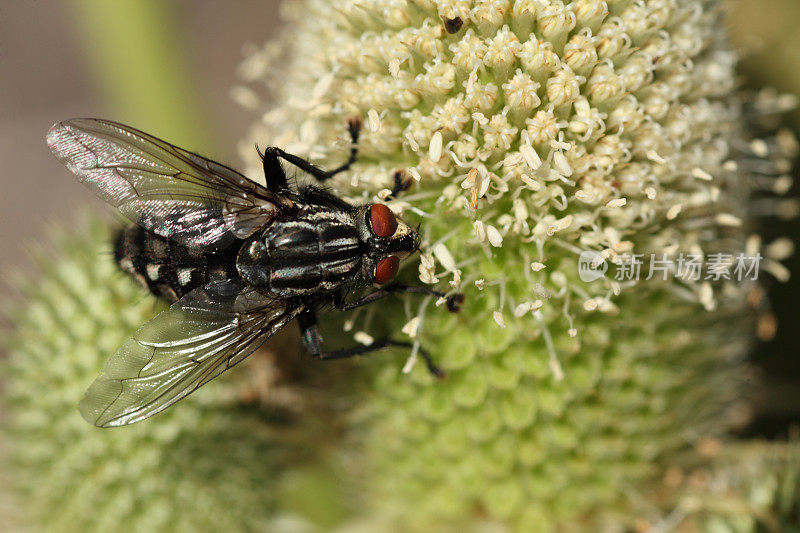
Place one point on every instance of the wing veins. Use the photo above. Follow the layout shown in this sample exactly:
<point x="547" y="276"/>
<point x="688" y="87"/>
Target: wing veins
<point x="259" y="325"/>
<point x="122" y="389"/>
<point x="146" y="138"/>
<point x="199" y="380"/>
<point x="147" y="179"/>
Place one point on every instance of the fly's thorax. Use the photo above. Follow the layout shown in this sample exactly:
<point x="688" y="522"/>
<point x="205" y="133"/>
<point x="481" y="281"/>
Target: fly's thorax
<point x="252" y="262"/>
<point x="316" y="251"/>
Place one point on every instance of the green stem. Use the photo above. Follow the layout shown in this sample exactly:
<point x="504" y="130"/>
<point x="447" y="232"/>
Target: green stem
<point x="138" y="58"/>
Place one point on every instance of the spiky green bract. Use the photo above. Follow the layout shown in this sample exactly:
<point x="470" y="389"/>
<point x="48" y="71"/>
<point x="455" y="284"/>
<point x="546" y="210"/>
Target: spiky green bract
<point x="534" y="130"/>
<point x="208" y="464"/>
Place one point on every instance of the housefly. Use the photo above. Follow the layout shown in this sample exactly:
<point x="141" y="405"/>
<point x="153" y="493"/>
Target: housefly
<point x="237" y="260"/>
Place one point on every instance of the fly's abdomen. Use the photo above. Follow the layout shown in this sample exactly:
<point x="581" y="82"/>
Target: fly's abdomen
<point x="319" y="253"/>
<point x="168" y="269"/>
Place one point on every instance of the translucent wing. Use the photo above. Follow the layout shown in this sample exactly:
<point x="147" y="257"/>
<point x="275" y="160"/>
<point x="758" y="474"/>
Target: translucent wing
<point x="165" y="189"/>
<point x="200" y="336"/>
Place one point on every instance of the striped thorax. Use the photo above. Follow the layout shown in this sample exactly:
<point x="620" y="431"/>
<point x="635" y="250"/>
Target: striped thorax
<point x="323" y="249"/>
<point x="317" y="250"/>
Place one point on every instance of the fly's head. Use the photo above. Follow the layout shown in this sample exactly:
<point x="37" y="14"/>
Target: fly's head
<point x="387" y="240"/>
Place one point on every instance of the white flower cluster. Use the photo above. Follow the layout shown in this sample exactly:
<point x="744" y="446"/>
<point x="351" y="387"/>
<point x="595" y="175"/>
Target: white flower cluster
<point x="553" y="127"/>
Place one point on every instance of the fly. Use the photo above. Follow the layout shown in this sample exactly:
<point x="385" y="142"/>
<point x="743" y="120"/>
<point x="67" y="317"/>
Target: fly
<point x="237" y="260"/>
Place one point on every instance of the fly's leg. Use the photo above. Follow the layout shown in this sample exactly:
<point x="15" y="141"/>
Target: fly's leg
<point x="402" y="183"/>
<point x="276" y="176"/>
<point x="313" y="343"/>
<point x="273" y="170"/>
<point x="354" y="129"/>
<point x="273" y="153"/>
<point x="452" y="302"/>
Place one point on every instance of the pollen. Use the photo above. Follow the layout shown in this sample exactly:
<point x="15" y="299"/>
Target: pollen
<point x="494" y="236"/>
<point x="499" y="319"/>
<point x="412" y="327"/>
<point x="362" y="337"/>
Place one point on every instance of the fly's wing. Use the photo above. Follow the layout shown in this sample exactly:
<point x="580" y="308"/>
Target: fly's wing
<point x="165" y="189"/>
<point x="200" y="336"/>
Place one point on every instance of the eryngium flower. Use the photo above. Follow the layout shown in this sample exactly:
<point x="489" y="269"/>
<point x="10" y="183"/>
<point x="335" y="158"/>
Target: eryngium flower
<point x="535" y="130"/>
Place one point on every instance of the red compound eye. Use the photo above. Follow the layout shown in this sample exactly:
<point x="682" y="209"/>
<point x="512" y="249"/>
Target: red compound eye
<point x="386" y="269"/>
<point x="382" y="220"/>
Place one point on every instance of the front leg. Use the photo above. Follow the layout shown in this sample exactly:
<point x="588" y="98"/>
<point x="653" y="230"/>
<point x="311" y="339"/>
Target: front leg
<point x="274" y="173"/>
<point x="453" y="301"/>
<point x="402" y="183"/>
<point x="272" y="154"/>
<point x="276" y="176"/>
<point x="313" y="343"/>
